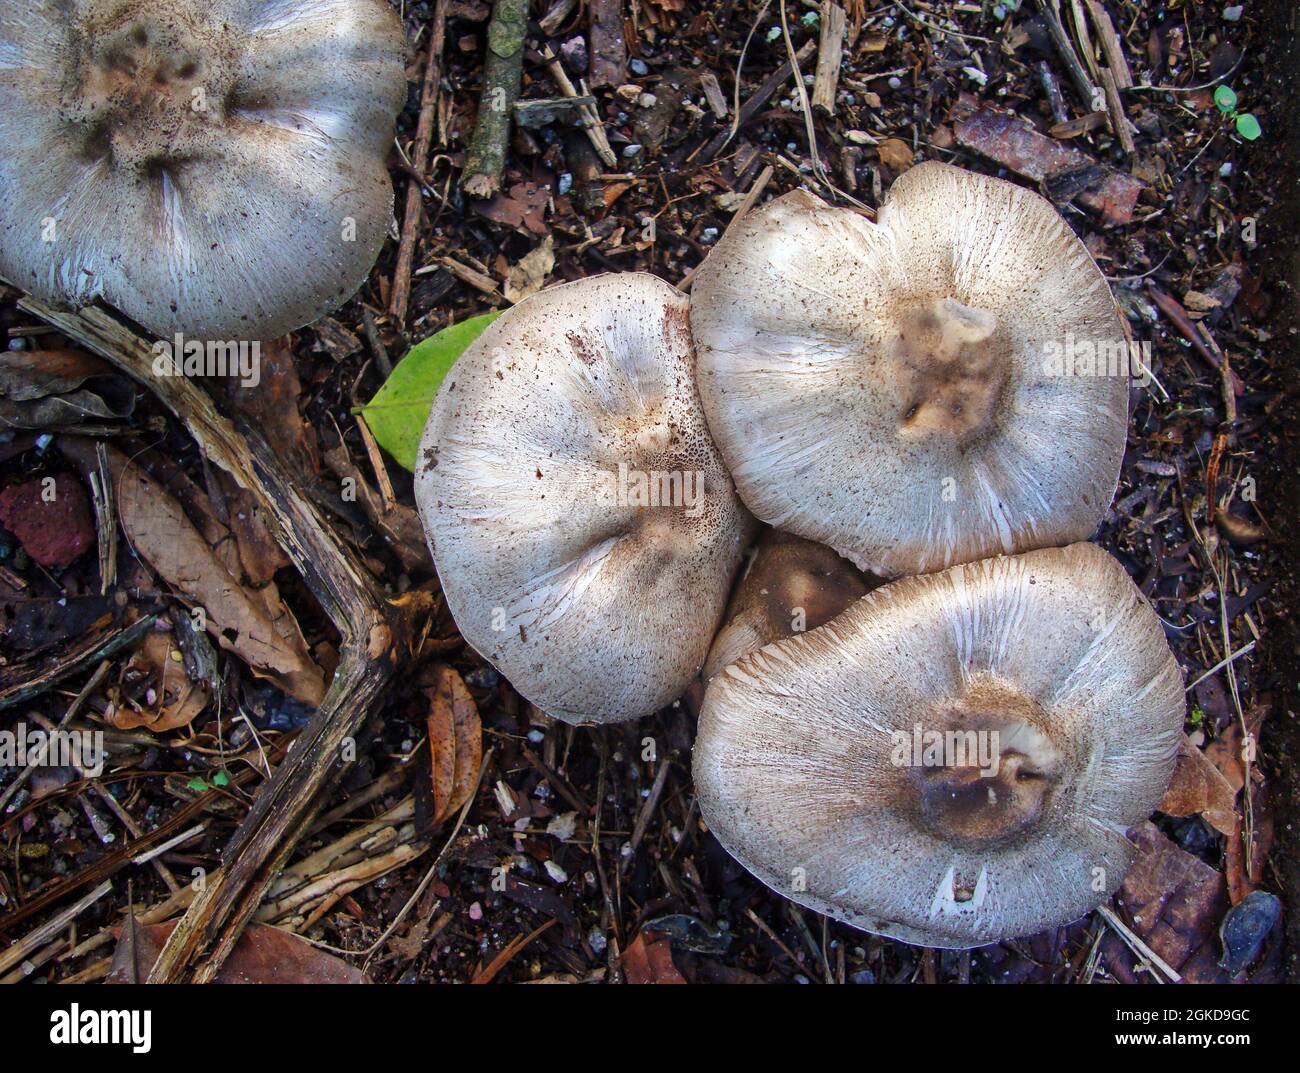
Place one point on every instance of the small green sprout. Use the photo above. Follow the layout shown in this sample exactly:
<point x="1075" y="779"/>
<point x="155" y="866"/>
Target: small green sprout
<point x="1225" y="99"/>
<point x="201" y="785"/>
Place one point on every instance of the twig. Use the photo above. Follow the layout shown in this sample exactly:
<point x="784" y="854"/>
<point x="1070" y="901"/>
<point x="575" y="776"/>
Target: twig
<point x="1053" y="90"/>
<point x="472" y="276"/>
<point x="830" y="54"/>
<point x="385" y="483"/>
<point x="745" y="112"/>
<point x="502" y="75"/>
<point x="1135" y="943"/>
<point x="1111" y="45"/>
<point x="1244" y="650"/>
<point x="35" y="939"/>
<point x="149" y="854"/>
<point x="1090" y="94"/>
<point x="587" y="114"/>
<point x="101" y="488"/>
<point x="642" y="823"/>
<point x="713" y="94"/>
<point x="401" y="288"/>
<point x="382" y="361"/>
<point x="511" y="948"/>
<point x="1115" y="106"/>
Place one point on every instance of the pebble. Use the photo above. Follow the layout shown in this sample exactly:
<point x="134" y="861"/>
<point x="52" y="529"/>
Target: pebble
<point x="574" y="52"/>
<point x="895" y="82"/>
<point x="638" y="67"/>
<point x="647" y="100"/>
<point x="1234" y="13"/>
<point x="629" y="151"/>
<point x="564" y="185"/>
<point x="1245" y="927"/>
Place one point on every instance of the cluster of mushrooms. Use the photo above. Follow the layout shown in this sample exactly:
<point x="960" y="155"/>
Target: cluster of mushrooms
<point x="876" y="394"/>
<point x="597" y="463"/>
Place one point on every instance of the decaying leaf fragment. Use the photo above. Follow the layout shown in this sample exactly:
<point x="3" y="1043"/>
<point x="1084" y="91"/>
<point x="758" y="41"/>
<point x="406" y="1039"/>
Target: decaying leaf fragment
<point x="455" y="741"/>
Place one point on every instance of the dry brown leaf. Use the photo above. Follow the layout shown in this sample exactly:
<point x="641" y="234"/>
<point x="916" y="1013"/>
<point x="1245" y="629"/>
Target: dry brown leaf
<point x="1199" y="787"/>
<point x="1224" y="753"/>
<point x="649" y="960"/>
<point x="262" y="955"/>
<point x="259" y="554"/>
<point x="895" y="154"/>
<point x="178" y="699"/>
<point x="528" y="276"/>
<point x="1245" y="877"/>
<point x="455" y="742"/>
<point x="614" y="191"/>
<point x="272" y="407"/>
<point x="253" y="624"/>
<point x="1174" y="901"/>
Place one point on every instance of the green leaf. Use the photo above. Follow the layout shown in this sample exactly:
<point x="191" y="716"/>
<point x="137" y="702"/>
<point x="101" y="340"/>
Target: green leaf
<point x="220" y="779"/>
<point x="1225" y="99"/>
<point x="397" y="413"/>
<point x="197" y="785"/>
<point x="1248" y="126"/>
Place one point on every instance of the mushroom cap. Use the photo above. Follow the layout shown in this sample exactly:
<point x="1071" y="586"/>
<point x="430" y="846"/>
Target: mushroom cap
<point x="893" y="389"/>
<point x="810" y="771"/>
<point x="579" y="515"/>
<point x="209" y="167"/>
<point x="790" y="585"/>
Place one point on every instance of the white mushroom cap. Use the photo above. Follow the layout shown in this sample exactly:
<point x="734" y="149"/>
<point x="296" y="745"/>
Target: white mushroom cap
<point x="789" y="586"/>
<point x="807" y="771"/>
<point x="583" y="526"/>
<point x="209" y="167"/>
<point x="893" y="389"/>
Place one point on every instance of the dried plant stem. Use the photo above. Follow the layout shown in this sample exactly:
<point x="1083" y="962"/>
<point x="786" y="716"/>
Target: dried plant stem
<point x="502" y="74"/>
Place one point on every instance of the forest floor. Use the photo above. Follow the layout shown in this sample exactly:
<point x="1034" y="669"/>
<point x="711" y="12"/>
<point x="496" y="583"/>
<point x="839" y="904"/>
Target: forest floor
<point x="581" y="855"/>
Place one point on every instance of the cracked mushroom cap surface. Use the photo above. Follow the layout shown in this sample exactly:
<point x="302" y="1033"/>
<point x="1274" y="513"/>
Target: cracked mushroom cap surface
<point x="584" y="529"/>
<point x="209" y="167"/>
<point x="955" y="759"/>
<point x="898" y="390"/>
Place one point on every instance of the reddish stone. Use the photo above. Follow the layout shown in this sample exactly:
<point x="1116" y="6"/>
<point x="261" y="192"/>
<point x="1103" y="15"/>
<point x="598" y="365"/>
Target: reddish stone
<point x="54" y="529"/>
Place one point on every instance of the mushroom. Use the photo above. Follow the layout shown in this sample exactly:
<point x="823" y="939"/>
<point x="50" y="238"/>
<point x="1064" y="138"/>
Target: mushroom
<point x="955" y="759"/>
<point x="210" y="167"/>
<point x="584" y="529"/>
<point x="905" y="391"/>
<point x="790" y="585"/>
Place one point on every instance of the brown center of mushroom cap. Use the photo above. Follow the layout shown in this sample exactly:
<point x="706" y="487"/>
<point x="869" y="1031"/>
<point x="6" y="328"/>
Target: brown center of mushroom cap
<point x="983" y="771"/>
<point x="146" y="91"/>
<point x="952" y="368"/>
